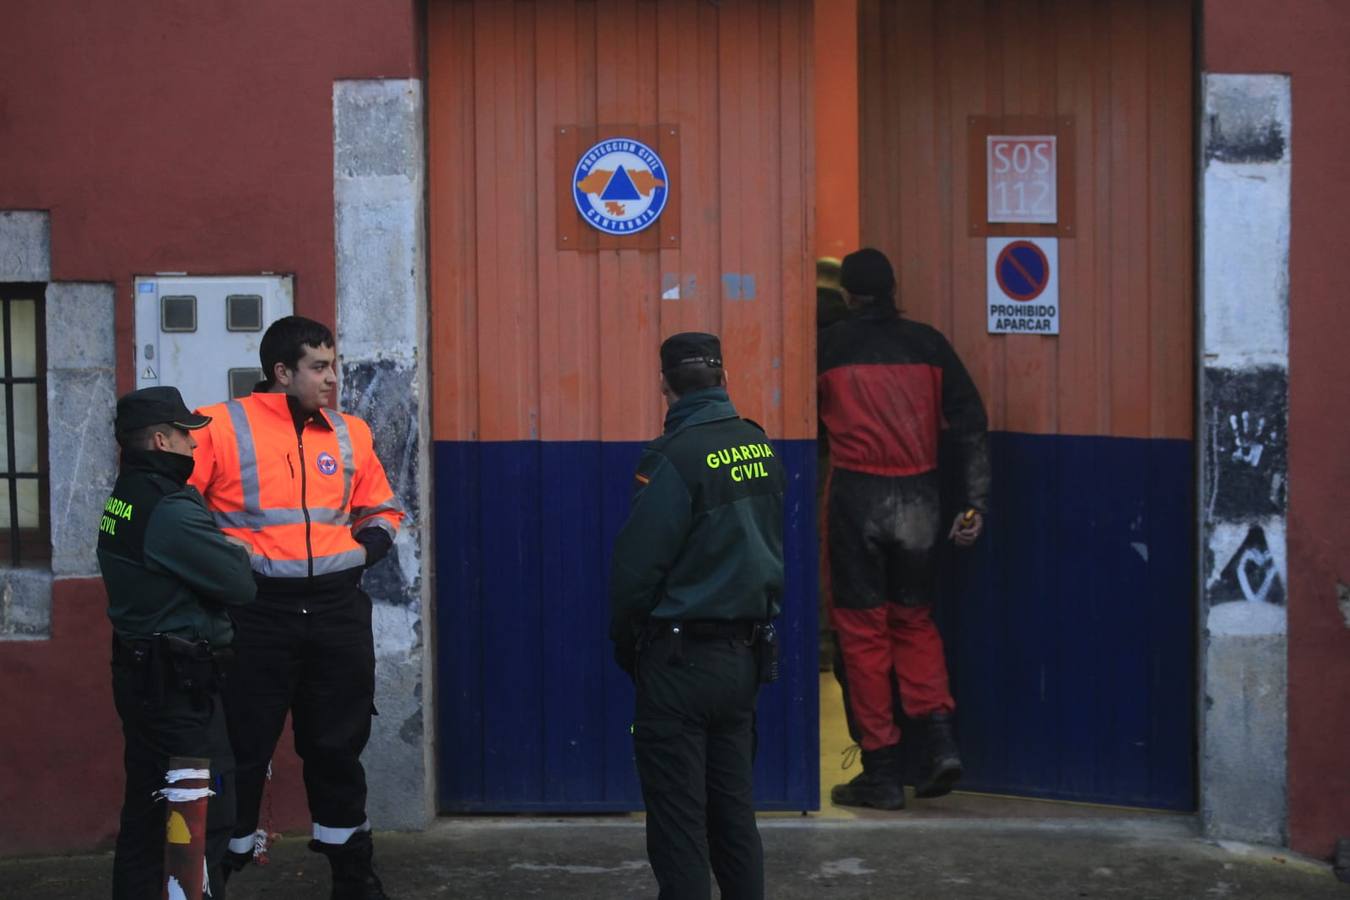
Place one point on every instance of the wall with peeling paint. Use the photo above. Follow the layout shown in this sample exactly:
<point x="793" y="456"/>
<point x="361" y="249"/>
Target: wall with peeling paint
<point x="381" y="332"/>
<point x="1311" y="552"/>
<point x="1244" y="277"/>
<point x="195" y="138"/>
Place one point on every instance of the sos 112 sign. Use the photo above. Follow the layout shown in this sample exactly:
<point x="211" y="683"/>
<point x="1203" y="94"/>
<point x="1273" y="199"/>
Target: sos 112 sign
<point x="1021" y="176"/>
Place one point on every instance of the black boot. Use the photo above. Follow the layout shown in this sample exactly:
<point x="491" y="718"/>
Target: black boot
<point x="879" y="784"/>
<point x="354" y="875"/>
<point x="941" y="762"/>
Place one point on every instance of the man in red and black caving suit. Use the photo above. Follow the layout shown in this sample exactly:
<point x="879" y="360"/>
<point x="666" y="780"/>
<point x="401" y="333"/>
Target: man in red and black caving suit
<point x="889" y="390"/>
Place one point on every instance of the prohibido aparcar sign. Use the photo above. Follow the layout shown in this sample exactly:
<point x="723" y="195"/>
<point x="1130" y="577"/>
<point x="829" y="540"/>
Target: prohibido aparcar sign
<point x="1023" y="285"/>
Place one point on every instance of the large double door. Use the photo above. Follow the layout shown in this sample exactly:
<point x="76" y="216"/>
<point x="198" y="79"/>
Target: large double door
<point x="1070" y="628"/>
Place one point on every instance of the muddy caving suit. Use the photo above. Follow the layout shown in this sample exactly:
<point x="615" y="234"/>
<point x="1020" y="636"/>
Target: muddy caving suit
<point x="888" y="388"/>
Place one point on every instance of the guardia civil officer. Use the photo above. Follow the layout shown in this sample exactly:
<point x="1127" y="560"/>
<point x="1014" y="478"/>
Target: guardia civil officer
<point x="170" y="575"/>
<point x="301" y="484"/>
<point x="696" y="580"/>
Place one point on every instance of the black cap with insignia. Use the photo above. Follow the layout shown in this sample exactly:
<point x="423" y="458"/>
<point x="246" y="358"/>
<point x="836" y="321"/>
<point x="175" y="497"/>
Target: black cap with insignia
<point x="156" y="406"/>
<point x="691" y="348"/>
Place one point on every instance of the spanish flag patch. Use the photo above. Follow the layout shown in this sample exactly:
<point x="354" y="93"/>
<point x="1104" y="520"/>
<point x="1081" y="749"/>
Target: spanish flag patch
<point x="642" y="479"/>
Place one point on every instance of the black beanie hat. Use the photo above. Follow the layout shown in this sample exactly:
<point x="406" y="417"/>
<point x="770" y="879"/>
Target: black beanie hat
<point x="867" y="273"/>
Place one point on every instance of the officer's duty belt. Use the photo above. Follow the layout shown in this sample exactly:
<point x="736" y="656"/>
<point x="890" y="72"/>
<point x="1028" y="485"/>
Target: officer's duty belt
<point x="711" y="629"/>
<point x="135" y="650"/>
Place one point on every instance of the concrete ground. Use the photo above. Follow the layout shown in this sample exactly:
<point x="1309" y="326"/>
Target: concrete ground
<point x="960" y="846"/>
<point x="1148" y="858"/>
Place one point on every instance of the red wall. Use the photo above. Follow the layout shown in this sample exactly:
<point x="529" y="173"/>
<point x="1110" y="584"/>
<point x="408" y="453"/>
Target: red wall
<point x="162" y="136"/>
<point x="1308" y="40"/>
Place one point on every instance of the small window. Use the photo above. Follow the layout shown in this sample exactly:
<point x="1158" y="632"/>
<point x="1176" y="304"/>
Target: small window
<point x="242" y="382"/>
<point x="178" y="313"/>
<point x="243" y="312"/>
<point x="24" y="519"/>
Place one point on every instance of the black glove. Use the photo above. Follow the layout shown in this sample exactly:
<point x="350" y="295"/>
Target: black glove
<point x="377" y="543"/>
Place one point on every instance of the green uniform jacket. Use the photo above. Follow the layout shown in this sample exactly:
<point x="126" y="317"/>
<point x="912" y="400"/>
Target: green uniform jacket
<point x="167" y="567"/>
<point x="704" y="537"/>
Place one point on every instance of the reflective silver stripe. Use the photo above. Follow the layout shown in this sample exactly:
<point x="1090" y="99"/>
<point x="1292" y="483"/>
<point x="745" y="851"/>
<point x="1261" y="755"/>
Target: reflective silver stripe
<point x="319" y="515"/>
<point x="339" y="562"/>
<point x="299" y="568"/>
<point x="382" y="524"/>
<point x="248" y="456"/>
<point x="344" y="440"/>
<point x="361" y="512"/>
<point x="327" y="835"/>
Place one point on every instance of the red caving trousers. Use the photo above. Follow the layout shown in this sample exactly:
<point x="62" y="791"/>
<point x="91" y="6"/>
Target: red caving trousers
<point x="886" y="638"/>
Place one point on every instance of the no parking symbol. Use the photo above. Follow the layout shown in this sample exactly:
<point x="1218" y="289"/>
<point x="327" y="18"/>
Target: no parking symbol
<point x="1023" y="285"/>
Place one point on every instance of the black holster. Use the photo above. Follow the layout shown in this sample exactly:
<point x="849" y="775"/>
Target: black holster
<point x="166" y="661"/>
<point x="197" y="669"/>
<point x="145" y="660"/>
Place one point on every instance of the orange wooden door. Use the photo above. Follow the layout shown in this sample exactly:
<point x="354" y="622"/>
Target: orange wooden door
<point x="1071" y="626"/>
<point x="545" y="366"/>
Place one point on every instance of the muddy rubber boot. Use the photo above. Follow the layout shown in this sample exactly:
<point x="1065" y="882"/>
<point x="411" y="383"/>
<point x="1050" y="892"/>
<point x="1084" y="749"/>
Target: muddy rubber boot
<point x="354" y="875"/>
<point x="941" y="762"/>
<point x="879" y="784"/>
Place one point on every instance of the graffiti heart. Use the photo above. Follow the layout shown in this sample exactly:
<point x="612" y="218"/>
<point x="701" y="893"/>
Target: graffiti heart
<point x="1251" y="574"/>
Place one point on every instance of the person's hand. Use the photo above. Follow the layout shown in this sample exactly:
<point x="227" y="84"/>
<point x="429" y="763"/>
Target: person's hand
<point x="966" y="527"/>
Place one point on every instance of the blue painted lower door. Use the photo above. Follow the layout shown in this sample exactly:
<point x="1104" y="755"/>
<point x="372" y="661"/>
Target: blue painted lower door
<point x="533" y="714"/>
<point x="1070" y="627"/>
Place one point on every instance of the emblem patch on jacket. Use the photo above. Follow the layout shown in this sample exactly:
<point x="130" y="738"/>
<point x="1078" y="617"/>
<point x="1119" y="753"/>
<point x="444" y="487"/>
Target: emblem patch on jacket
<point x="327" y="465"/>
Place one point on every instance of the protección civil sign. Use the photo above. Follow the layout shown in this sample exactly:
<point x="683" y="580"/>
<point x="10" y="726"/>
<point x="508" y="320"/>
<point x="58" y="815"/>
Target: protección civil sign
<point x="1023" y="285"/>
<point x="620" y="186"/>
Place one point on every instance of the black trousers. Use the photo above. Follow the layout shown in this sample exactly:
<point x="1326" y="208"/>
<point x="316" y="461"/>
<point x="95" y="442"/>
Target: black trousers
<point x="694" y="740"/>
<point x="169" y="723"/>
<point x="318" y="665"/>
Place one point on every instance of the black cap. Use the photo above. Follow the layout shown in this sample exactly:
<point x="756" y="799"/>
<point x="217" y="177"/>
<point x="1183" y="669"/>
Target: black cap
<point x="691" y="348"/>
<point x="156" y="406"/>
<point x="867" y="273"/>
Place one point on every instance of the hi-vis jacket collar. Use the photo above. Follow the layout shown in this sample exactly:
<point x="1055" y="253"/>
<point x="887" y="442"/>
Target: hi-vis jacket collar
<point x="284" y="407"/>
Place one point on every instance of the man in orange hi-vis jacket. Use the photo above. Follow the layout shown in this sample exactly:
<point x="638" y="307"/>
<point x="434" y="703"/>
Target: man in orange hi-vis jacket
<point x="301" y="485"/>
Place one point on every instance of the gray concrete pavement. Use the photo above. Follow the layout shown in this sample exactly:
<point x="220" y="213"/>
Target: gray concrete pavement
<point x="1135" y="857"/>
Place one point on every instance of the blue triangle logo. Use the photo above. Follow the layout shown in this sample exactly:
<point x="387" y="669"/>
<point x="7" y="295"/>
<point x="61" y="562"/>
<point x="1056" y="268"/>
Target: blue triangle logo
<point x="620" y="187"/>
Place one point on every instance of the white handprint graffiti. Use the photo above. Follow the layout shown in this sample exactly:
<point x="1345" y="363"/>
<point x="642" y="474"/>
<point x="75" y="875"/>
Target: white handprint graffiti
<point x="1248" y="442"/>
